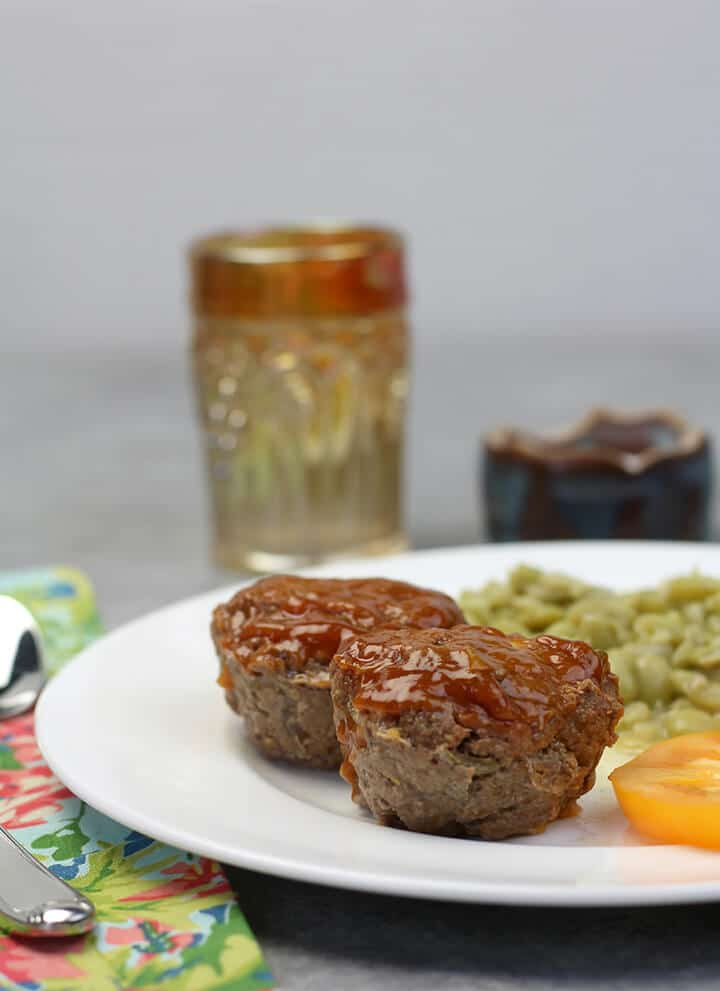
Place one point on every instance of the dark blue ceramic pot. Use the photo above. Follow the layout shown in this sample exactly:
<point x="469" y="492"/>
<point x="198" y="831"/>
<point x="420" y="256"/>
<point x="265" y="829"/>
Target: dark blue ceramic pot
<point x="642" y="476"/>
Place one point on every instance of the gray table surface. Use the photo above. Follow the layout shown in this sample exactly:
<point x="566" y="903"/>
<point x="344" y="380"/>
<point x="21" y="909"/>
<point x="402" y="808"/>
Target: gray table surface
<point x="102" y="470"/>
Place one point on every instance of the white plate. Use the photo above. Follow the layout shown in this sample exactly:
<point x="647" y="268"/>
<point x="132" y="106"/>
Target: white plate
<point x="138" y="728"/>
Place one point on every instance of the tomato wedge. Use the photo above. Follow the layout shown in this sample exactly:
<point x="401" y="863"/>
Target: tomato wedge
<point x="671" y="792"/>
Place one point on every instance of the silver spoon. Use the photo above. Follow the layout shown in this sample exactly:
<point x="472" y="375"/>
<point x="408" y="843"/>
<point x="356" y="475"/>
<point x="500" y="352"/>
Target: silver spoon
<point x="33" y="902"/>
<point x="22" y="673"/>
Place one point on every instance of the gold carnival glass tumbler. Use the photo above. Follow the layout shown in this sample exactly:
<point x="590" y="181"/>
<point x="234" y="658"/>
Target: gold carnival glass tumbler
<point x="300" y="356"/>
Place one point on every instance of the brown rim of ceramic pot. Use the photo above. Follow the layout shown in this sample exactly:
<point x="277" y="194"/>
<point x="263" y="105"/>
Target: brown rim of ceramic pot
<point x="603" y="429"/>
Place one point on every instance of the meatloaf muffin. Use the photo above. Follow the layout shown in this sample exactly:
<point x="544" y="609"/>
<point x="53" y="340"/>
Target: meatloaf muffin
<point x="469" y="731"/>
<point x="276" y="638"/>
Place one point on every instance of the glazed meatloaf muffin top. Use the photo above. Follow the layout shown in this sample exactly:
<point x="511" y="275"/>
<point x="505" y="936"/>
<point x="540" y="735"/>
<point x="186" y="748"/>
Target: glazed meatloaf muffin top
<point x="294" y="625"/>
<point x="512" y="687"/>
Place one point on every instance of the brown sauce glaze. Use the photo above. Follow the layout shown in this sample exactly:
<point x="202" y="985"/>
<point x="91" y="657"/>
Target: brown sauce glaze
<point x="483" y="674"/>
<point x="298" y="619"/>
<point x="348" y="735"/>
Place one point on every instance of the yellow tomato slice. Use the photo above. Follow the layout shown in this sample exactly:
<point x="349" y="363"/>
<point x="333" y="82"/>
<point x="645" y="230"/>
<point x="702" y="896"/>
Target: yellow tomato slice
<point x="671" y="792"/>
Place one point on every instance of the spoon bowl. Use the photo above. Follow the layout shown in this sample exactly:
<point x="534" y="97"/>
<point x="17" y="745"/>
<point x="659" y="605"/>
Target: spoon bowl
<point x="22" y="668"/>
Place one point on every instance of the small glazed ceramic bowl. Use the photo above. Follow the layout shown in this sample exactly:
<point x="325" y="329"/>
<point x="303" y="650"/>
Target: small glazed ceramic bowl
<point x="632" y="475"/>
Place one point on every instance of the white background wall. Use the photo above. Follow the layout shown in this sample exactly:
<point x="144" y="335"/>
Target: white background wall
<point x="555" y="163"/>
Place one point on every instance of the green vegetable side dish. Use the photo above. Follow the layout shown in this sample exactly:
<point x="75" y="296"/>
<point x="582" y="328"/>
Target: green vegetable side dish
<point x="663" y="643"/>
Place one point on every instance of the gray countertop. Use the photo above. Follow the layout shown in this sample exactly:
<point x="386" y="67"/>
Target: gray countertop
<point x="103" y="471"/>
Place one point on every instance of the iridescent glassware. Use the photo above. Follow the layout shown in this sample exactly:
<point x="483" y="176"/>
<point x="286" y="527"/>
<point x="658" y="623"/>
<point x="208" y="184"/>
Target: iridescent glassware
<point x="300" y="355"/>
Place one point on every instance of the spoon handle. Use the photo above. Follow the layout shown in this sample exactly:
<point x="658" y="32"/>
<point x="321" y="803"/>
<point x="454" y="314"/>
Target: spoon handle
<point x="33" y="902"/>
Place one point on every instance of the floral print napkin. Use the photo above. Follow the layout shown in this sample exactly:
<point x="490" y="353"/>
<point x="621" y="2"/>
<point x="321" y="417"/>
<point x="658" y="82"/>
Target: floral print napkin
<point x="166" y="919"/>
